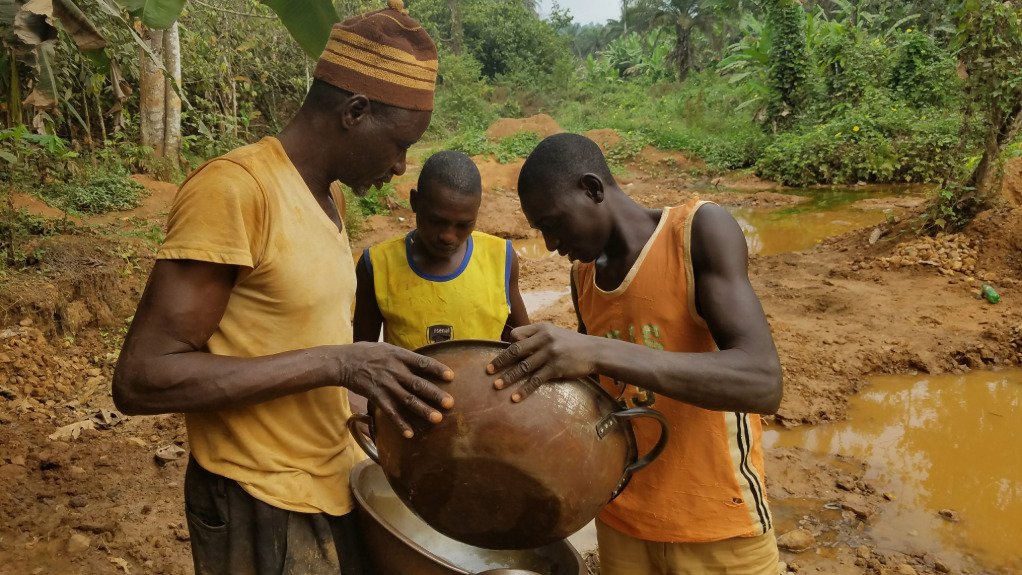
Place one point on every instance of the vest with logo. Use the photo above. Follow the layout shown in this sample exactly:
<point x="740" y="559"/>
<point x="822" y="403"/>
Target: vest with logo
<point x="419" y="308"/>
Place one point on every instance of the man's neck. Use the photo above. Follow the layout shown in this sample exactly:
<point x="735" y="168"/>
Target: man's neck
<point x="436" y="265"/>
<point x="633" y="226"/>
<point x="311" y="162"/>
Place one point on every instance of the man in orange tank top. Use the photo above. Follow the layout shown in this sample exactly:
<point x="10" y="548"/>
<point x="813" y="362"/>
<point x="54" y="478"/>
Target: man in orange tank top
<point x="668" y="317"/>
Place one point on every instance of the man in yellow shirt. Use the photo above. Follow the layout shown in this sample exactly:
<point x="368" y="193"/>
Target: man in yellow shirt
<point x="245" y="328"/>
<point x="443" y="280"/>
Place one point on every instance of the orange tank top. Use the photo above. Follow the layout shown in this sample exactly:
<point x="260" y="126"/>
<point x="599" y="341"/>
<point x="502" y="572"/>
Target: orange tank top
<point x="708" y="483"/>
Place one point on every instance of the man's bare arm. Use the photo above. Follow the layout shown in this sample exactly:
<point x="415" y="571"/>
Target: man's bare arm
<point x="164" y="366"/>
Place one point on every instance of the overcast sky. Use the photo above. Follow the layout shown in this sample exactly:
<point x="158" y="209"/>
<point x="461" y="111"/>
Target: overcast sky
<point x="586" y="11"/>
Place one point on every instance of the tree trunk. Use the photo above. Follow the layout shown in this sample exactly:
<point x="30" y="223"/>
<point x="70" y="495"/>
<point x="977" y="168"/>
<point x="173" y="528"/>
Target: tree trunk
<point x="172" y="98"/>
<point x="152" y="94"/>
<point x="983" y="175"/>
<point x="683" y="49"/>
<point x="457" y="29"/>
<point x="14" y="101"/>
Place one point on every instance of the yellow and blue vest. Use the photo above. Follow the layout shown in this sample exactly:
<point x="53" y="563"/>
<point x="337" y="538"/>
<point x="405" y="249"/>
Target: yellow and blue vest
<point x="418" y="308"/>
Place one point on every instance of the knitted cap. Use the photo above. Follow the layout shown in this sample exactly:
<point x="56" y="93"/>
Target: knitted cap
<point x="385" y="55"/>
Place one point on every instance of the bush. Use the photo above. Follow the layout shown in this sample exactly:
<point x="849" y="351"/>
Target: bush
<point x="473" y="143"/>
<point x="879" y="141"/>
<point x="17" y="227"/>
<point x="32" y="159"/>
<point x="516" y="146"/>
<point x="95" y="194"/>
<point x="706" y="116"/>
<point x="922" y="73"/>
<point x="462" y="96"/>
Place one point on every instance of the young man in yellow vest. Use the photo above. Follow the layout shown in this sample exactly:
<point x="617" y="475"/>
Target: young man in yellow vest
<point x="665" y="297"/>
<point x="443" y="280"/>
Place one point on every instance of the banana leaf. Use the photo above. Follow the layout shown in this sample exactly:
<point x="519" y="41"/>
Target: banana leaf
<point x="308" y="22"/>
<point x="158" y="14"/>
<point x="85" y="34"/>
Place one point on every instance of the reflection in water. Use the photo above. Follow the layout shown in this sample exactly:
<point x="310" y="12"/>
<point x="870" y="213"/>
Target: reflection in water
<point x="943" y="442"/>
<point x="823" y="214"/>
<point x="771" y="232"/>
<point x="539" y="299"/>
<point x="532" y="249"/>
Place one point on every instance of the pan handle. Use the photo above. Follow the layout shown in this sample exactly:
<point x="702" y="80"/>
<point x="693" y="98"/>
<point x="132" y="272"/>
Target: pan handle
<point x="653" y="453"/>
<point x="363" y="440"/>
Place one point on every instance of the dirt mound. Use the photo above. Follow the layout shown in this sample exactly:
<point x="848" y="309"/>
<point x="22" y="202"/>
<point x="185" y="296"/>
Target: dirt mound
<point x="82" y="281"/>
<point x="90" y="501"/>
<point x="540" y="124"/>
<point x="497" y="176"/>
<point x="1011" y="188"/>
<point x="605" y="138"/>
<point x="35" y="206"/>
<point x="999" y="232"/>
<point x="757" y="199"/>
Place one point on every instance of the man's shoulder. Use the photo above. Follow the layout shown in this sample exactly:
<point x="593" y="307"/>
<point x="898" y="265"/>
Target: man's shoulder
<point x="388" y="246"/>
<point x="256" y="151"/>
<point x="235" y="164"/>
<point x="483" y="240"/>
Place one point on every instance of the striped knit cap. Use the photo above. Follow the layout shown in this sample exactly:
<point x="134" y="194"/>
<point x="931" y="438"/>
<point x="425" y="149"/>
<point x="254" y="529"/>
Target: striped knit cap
<point x="385" y="55"/>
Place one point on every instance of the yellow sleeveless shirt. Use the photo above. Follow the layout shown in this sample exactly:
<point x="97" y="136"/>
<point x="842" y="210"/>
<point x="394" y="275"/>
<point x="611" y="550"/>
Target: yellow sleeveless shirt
<point x="708" y="484"/>
<point x="419" y="308"/>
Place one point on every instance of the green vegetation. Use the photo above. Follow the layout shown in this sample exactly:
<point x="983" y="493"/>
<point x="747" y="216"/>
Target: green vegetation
<point x="95" y="194"/>
<point x="803" y="92"/>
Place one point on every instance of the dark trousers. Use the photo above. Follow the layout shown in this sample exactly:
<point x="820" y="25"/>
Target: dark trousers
<point x="233" y="533"/>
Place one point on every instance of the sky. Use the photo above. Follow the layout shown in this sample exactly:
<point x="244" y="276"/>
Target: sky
<point x="585" y="11"/>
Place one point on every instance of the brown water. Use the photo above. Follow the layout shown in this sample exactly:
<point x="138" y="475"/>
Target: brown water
<point x="536" y="300"/>
<point x="532" y="249"/>
<point x="769" y="232"/>
<point x="825" y="213"/>
<point x="937" y="442"/>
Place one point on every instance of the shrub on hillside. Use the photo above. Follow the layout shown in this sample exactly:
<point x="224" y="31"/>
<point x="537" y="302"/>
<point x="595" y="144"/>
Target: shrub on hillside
<point x="875" y="142"/>
<point x="96" y="193"/>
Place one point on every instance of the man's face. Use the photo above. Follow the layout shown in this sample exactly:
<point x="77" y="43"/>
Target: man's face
<point x="444" y="218"/>
<point x="384" y="144"/>
<point x="572" y="223"/>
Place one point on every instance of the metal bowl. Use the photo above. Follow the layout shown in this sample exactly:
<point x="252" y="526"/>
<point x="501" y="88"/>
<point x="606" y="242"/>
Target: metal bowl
<point x="502" y="475"/>
<point x="399" y="543"/>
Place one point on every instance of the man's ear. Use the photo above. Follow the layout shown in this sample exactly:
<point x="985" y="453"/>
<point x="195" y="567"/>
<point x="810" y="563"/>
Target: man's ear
<point x="356" y="109"/>
<point x="593" y="185"/>
<point x="413" y="200"/>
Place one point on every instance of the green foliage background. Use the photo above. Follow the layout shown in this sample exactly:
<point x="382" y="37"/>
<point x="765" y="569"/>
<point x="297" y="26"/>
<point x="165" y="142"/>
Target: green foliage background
<point x="804" y="93"/>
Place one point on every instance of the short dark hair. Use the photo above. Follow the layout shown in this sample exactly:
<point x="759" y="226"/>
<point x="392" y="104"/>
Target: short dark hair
<point x="452" y="170"/>
<point x="559" y="160"/>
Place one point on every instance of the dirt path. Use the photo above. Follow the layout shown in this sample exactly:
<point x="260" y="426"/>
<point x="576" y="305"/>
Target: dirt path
<point x="102" y="503"/>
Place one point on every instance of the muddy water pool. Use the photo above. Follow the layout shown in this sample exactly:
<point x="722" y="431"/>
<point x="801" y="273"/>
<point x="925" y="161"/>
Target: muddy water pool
<point x="825" y="213"/>
<point x="937" y="443"/>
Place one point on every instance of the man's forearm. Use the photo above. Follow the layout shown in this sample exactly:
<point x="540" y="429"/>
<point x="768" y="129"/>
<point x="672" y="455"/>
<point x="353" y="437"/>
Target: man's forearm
<point x="197" y="381"/>
<point x="728" y="380"/>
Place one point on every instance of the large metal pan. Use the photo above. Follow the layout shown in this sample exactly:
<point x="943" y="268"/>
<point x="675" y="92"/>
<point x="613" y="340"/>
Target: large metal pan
<point x="399" y="543"/>
<point x="501" y="475"/>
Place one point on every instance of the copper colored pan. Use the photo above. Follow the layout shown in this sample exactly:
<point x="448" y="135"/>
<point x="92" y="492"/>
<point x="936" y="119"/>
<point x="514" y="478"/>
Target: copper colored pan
<point x="501" y="475"/>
